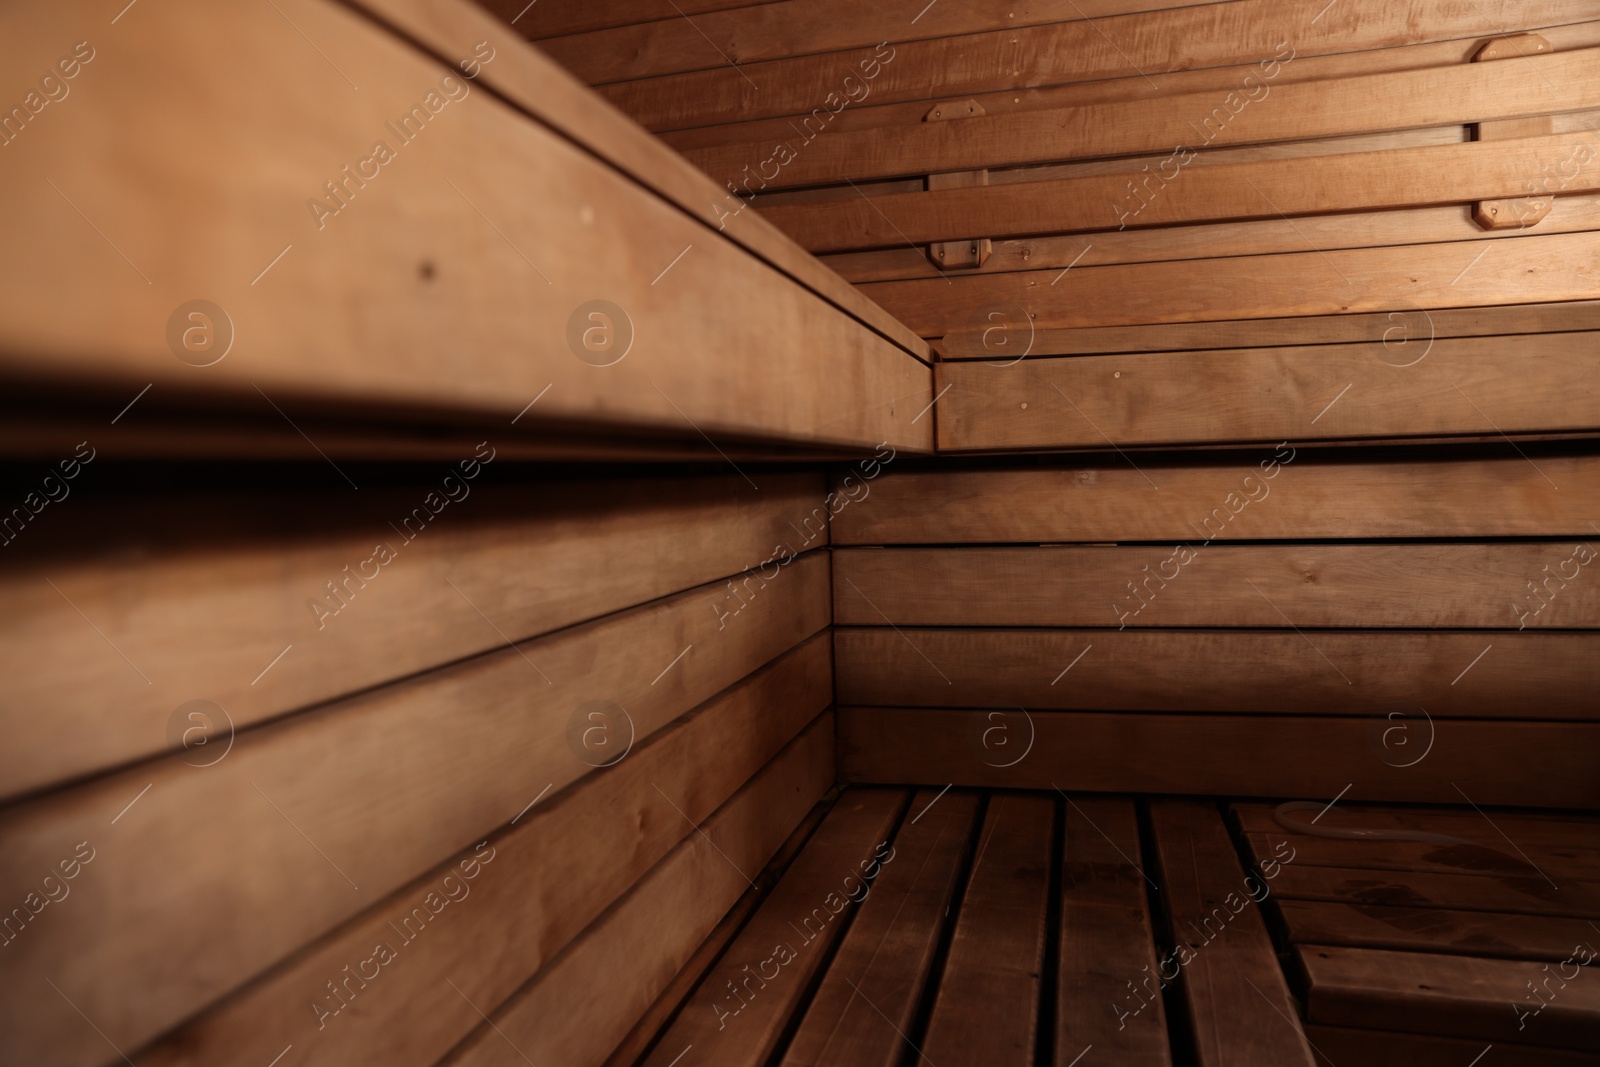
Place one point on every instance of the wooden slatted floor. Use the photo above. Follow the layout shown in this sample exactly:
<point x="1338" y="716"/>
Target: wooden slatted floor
<point x="957" y="927"/>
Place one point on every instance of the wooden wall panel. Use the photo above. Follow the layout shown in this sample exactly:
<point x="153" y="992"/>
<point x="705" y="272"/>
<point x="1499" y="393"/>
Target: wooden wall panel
<point x="1006" y="59"/>
<point x="350" y="803"/>
<point x="604" y="834"/>
<point x="1311" y="497"/>
<point x="1267" y="756"/>
<point x="200" y="595"/>
<point x="650" y="933"/>
<point x="1267" y="671"/>
<point x="1308" y="586"/>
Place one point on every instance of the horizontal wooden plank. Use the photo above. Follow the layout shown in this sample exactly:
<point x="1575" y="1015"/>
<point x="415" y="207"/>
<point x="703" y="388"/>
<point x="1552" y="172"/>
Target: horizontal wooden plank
<point x="1107" y="941"/>
<point x="1525" y="384"/>
<point x="884" y="959"/>
<point x="1533" y="269"/>
<point x="1397" y="329"/>
<point x="1368" y="103"/>
<point x="1543" y="829"/>
<point x="386" y="785"/>
<point x="607" y="979"/>
<point x="147" y="606"/>
<point x="1432" y="225"/>
<point x="1454" y="996"/>
<point x="800" y="28"/>
<point x="1239" y="1003"/>
<point x="1485" y="855"/>
<point x="1360" y="181"/>
<point x="1460" y="933"/>
<point x="1228" y="755"/>
<point x="987" y="1006"/>
<point x="555" y="17"/>
<point x="1315" y="498"/>
<point x="1386" y="1048"/>
<point x="1017" y="59"/>
<point x="1522" y="895"/>
<point x="604" y="834"/>
<point x="1542" y="676"/>
<point x="1457" y="585"/>
<point x="444" y="259"/>
<point x="740" y="1011"/>
<point x="539" y="87"/>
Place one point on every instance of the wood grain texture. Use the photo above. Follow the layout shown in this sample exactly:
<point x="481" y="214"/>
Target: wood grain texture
<point x="1529" y="269"/>
<point x="540" y="88"/>
<point x="986" y="1010"/>
<point x="1238" y="998"/>
<point x="552" y="18"/>
<point x="741" y="1009"/>
<point x="1387" y="1048"/>
<point x="1485" y="855"/>
<point x="1226" y="755"/>
<point x="1107" y="941"/>
<point x="793" y="28"/>
<point x="1544" y="829"/>
<point x="1361" y="104"/>
<point x="1338" y="585"/>
<point x="605" y="834"/>
<point x="492" y="275"/>
<point x="1452" y="996"/>
<point x="1313" y="498"/>
<point x="1525" y="384"/>
<point x="345" y="805"/>
<point x="1501" y="893"/>
<point x="1157" y="44"/>
<point x="1398" y="331"/>
<point x="1359" y="181"/>
<point x="871" y="990"/>
<point x="1433" y="930"/>
<point x="201" y="593"/>
<point x="1536" y="676"/>
<point x="608" y="978"/>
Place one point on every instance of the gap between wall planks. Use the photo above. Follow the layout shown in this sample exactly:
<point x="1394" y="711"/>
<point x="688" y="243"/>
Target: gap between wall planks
<point x="1015" y="60"/>
<point x="849" y="839"/>
<point x="1396" y="100"/>
<point x="1255" y="755"/>
<point x="1232" y="672"/>
<point x="1311" y="497"/>
<point x="987" y="1005"/>
<point x="1406" y="335"/>
<point x="1106" y="940"/>
<point x="487" y="735"/>
<point x="1452" y="996"/>
<point x="553" y="18"/>
<point x="529" y="565"/>
<point x="543" y="90"/>
<point x="1360" y="181"/>
<point x="884" y="960"/>
<point x="650" y="933"/>
<point x="606" y="833"/>
<point x="1454" y="585"/>
<point x="1521" y="270"/>
<point x="1240" y="1008"/>
<point x="379" y="352"/>
<point x="1529" y="383"/>
<point x="794" y="28"/>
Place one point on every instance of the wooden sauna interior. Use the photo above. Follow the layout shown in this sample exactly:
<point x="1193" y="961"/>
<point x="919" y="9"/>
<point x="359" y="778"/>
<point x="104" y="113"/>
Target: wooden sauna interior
<point x="722" y="533"/>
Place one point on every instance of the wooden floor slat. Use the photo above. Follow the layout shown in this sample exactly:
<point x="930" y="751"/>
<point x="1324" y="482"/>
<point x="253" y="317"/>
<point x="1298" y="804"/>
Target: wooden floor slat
<point x="987" y="1006"/>
<point x="1107" y="942"/>
<point x="1459" y="933"/>
<point x="870" y="992"/>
